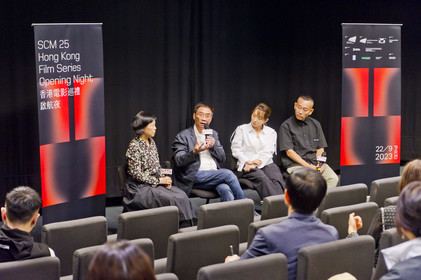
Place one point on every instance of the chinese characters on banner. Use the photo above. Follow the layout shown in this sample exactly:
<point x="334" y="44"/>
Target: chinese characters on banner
<point x="70" y="92"/>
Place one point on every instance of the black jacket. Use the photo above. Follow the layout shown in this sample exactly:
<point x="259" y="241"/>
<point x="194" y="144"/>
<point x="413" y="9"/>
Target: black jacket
<point x="16" y="244"/>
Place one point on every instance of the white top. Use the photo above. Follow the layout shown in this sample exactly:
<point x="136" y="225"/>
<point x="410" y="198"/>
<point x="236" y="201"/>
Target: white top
<point x="245" y="145"/>
<point x="401" y="252"/>
<point x="206" y="160"/>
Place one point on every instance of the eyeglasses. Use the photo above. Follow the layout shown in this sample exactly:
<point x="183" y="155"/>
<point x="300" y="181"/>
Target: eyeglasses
<point x="204" y="116"/>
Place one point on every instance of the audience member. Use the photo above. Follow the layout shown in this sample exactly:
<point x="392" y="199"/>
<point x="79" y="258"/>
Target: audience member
<point x="20" y="215"/>
<point x="305" y="189"/>
<point x="404" y="260"/>
<point x="120" y="261"/>
<point x="146" y="186"/>
<point x="301" y="141"/>
<point x="384" y="218"/>
<point x="198" y="155"/>
<point x="253" y="145"/>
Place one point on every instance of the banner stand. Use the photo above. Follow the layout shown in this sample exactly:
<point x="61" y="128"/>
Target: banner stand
<point x="371" y="102"/>
<point x="70" y="92"/>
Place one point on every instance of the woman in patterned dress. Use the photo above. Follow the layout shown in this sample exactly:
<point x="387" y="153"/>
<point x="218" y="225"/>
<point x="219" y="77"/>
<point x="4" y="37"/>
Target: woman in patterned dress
<point x="146" y="186"/>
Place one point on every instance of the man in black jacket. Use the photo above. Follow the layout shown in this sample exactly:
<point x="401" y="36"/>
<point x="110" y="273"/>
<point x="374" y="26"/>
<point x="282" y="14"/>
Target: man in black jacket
<point x="20" y="214"/>
<point x="197" y="156"/>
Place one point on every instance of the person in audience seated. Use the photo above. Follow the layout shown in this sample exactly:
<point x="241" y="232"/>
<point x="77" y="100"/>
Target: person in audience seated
<point x="404" y="260"/>
<point x="253" y="145"/>
<point x="120" y="260"/>
<point x="305" y="190"/>
<point x="146" y="186"/>
<point x="198" y="155"/>
<point x="301" y="141"/>
<point x="384" y="218"/>
<point x="20" y="215"/>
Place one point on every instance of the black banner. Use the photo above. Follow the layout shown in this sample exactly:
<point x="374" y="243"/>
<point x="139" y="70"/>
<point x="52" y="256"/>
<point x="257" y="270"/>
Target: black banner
<point x="70" y="90"/>
<point x="371" y="102"/>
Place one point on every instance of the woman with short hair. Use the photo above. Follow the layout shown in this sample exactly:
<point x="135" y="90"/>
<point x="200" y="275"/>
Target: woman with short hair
<point x="147" y="187"/>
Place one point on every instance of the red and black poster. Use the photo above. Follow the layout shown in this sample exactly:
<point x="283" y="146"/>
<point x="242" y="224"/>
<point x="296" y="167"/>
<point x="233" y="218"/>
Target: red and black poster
<point x="70" y="92"/>
<point x="371" y="102"/>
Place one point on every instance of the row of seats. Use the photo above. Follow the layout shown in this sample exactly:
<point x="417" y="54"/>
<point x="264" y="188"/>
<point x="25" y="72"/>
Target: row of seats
<point x="199" y="255"/>
<point x="163" y="222"/>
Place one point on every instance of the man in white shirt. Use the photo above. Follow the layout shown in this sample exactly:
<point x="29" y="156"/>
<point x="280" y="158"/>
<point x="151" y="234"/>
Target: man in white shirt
<point x="197" y="155"/>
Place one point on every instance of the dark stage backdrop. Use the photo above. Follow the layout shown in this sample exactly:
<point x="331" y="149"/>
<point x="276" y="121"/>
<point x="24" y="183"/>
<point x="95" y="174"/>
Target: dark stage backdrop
<point x="164" y="56"/>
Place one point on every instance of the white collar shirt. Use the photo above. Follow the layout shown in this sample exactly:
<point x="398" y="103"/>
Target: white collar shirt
<point x="246" y="145"/>
<point x="401" y="252"/>
<point x="206" y="160"/>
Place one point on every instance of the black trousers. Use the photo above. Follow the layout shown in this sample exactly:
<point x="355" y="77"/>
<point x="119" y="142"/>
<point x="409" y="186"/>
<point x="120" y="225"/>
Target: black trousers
<point x="267" y="181"/>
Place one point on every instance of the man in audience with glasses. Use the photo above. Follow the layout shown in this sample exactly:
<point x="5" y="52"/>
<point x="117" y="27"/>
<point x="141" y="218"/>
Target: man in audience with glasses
<point x="198" y="155"/>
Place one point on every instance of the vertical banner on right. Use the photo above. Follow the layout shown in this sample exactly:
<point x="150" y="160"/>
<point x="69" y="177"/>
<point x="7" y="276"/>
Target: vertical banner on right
<point x="371" y="102"/>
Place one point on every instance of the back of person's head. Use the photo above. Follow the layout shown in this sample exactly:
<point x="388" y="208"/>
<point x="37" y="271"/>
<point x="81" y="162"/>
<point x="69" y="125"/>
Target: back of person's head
<point x="21" y="204"/>
<point x="120" y="261"/>
<point x="306" y="189"/>
<point x="141" y="120"/>
<point x="411" y="173"/>
<point x="408" y="209"/>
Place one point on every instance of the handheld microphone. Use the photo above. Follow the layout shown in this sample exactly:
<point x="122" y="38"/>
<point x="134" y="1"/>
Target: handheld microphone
<point x="207" y="131"/>
<point x="166" y="168"/>
<point x="321" y="160"/>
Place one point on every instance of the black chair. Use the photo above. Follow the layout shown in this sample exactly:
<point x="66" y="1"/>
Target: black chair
<point x="342" y="196"/>
<point x="353" y="255"/>
<point x="274" y="207"/>
<point x="189" y="251"/>
<point x="338" y="216"/>
<point x="389" y="238"/>
<point x="255" y="226"/>
<point x="122" y="175"/>
<point x="384" y="188"/>
<point x="273" y="266"/>
<point x="207" y="195"/>
<point x="82" y="257"/>
<point x="66" y="237"/>
<point x="244" y="183"/>
<point x="46" y="268"/>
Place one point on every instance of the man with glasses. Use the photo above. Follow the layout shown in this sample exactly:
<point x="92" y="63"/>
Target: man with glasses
<point x="302" y="142"/>
<point x="198" y="155"/>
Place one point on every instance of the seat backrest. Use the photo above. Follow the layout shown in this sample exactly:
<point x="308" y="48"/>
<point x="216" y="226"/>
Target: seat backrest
<point x="343" y="195"/>
<point x="255" y="226"/>
<point x="391" y="201"/>
<point x="236" y="212"/>
<point x="274" y="207"/>
<point x="82" y="257"/>
<point x="66" y="237"/>
<point x="338" y="216"/>
<point x="272" y="266"/>
<point x="189" y="251"/>
<point x="166" y="276"/>
<point x="122" y="175"/>
<point x="353" y="255"/>
<point x="384" y="188"/>
<point x="157" y="224"/>
<point x="45" y="268"/>
<point x="388" y="238"/>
